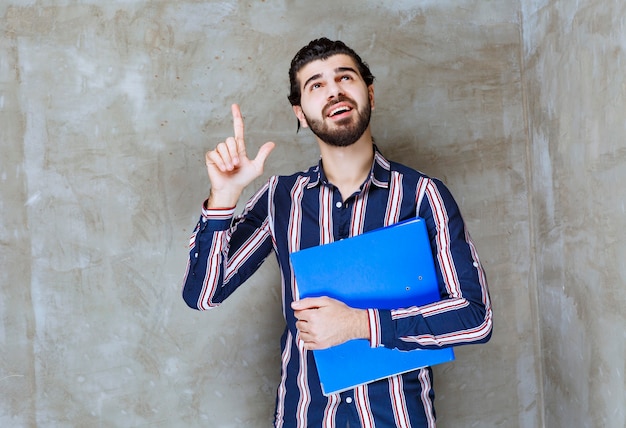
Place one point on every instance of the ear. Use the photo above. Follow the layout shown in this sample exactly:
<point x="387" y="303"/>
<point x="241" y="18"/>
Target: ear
<point x="370" y="92"/>
<point x="300" y="115"/>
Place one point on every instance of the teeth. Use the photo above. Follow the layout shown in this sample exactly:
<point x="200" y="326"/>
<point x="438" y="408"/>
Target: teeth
<point x="338" y="110"/>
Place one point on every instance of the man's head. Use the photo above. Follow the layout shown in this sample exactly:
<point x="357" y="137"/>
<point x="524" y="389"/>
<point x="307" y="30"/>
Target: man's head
<point x="332" y="92"/>
<point x="321" y="49"/>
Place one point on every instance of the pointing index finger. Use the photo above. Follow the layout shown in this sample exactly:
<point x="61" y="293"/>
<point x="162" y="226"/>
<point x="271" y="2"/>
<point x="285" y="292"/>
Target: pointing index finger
<point x="238" y="127"/>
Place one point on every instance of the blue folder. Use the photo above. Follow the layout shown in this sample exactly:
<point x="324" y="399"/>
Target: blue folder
<point x="387" y="268"/>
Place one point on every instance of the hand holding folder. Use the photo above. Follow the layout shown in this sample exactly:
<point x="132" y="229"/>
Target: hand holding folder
<point x="387" y="268"/>
<point x="320" y="317"/>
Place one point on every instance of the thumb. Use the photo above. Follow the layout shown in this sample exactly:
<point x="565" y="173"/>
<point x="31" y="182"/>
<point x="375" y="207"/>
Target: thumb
<point x="307" y="303"/>
<point x="263" y="153"/>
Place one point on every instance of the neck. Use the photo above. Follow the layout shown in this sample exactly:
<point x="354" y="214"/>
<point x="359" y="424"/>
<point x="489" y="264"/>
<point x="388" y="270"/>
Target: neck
<point x="348" y="167"/>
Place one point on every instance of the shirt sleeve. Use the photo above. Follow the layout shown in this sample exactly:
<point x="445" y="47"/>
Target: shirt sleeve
<point x="224" y="251"/>
<point x="464" y="314"/>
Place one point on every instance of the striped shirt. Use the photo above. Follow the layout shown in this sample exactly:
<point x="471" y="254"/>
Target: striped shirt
<point x="294" y="212"/>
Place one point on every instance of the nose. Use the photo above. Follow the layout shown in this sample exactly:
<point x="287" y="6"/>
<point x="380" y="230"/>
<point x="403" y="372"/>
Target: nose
<point x="334" y="89"/>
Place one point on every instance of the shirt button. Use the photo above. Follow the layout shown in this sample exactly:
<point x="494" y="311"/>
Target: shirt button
<point x="475" y="264"/>
<point x="349" y="400"/>
<point x="338" y="204"/>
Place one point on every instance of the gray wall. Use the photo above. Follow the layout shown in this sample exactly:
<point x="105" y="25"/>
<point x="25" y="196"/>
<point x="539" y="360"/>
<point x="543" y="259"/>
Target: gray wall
<point x="575" y="87"/>
<point x="107" y="108"/>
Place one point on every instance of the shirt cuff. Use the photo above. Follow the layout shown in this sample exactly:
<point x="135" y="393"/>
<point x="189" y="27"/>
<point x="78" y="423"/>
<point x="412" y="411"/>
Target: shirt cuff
<point x="374" y="327"/>
<point x="381" y="327"/>
<point x="219" y="218"/>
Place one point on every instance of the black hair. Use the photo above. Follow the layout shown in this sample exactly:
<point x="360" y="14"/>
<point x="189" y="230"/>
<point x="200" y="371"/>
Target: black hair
<point x="322" y="48"/>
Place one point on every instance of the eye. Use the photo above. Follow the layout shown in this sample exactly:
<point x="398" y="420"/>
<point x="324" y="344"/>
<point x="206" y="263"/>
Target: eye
<point x="315" y="86"/>
<point x="346" y="77"/>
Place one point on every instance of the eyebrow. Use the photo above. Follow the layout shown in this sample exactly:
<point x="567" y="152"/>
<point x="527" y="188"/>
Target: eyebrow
<point x="337" y="70"/>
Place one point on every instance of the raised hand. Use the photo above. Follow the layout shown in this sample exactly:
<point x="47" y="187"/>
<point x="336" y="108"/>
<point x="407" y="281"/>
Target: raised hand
<point x="229" y="168"/>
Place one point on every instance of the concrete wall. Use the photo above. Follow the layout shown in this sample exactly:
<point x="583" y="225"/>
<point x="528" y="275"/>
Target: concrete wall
<point x="576" y="97"/>
<point x="107" y="108"/>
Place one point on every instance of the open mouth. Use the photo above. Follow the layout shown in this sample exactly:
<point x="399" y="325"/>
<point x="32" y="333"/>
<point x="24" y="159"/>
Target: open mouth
<point x="339" y="111"/>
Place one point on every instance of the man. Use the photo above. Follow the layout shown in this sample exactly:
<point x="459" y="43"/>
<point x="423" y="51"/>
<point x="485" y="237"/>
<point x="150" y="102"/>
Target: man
<point x="353" y="189"/>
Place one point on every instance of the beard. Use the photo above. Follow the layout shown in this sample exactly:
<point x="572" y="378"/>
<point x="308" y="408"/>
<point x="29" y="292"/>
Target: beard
<point x="347" y="130"/>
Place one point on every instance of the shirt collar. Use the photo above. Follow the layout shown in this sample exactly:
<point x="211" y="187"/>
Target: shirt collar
<point x="379" y="173"/>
